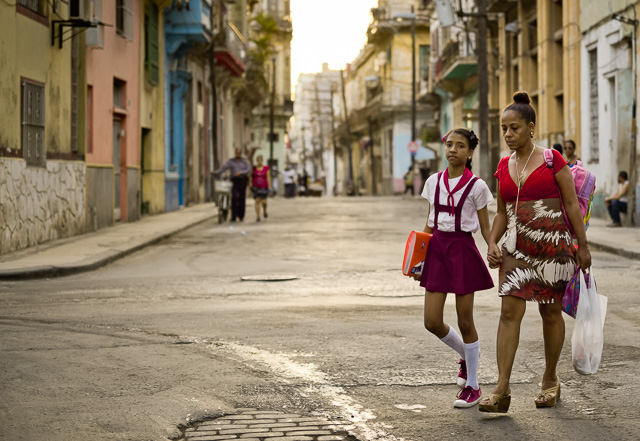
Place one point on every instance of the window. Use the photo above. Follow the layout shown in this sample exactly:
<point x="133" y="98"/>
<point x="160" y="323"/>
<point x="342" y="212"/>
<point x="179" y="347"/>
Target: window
<point x="425" y="53"/>
<point x="200" y="91"/>
<point x="119" y="97"/>
<point x="151" y="54"/>
<point x="37" y="6"/>
<point x="124" y="18"/>
<point x="32" y="120"/>
<point x="276" y="137"/>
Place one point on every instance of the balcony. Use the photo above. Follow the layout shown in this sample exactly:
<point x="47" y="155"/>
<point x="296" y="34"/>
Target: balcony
<point x="282" y="106"/>
<point x="456" y="64"/>
<point x="373" y="87"/>
<point x="230" y="50"/>
<point x="187" y="26"/>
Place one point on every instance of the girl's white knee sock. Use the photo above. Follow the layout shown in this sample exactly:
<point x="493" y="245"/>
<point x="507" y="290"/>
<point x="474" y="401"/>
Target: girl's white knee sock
<point x="454" y="341"/>
<point x="471" y="357"/>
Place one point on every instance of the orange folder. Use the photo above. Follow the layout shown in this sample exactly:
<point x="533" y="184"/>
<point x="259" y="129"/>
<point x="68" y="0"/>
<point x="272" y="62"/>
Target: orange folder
<point x="414" y="253"/>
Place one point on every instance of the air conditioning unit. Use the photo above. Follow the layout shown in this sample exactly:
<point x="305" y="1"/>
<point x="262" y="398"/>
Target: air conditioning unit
<point x="80" y="10"/>
<point x="85" y="10"/>
<point x="94" y="36"/>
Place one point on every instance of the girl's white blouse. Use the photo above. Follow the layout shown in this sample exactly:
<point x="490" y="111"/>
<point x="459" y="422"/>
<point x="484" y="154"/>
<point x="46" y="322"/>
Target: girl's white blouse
<point x="479" y="197"/>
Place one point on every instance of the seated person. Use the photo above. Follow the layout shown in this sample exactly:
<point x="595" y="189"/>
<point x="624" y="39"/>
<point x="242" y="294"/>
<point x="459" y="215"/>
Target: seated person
<point x="617" y="203"/>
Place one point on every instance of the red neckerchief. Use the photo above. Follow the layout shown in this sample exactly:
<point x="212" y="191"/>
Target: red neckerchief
<point x="466" y="177"/>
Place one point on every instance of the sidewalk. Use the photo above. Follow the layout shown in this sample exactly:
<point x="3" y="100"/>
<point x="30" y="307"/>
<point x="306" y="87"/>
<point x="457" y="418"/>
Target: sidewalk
<point x="93" y="250"/>
<point x="623" y="241"/>
<point x="89" y="251"/>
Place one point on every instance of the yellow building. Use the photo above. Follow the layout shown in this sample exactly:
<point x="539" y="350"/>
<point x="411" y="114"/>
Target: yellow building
<point x="152" y="136"/>
<point x="539" y="52"/>
<point x="383" y="111"/>
<point x="42" y="170"/>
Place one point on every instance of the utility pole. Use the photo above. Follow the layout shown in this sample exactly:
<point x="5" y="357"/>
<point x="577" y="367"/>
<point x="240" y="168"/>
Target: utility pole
<point x="483" y="91"/>
<point x="333" y="142"/>
<point x="350" y="181"/>
<point x="314" y="136"/>
<point x="483" y="84"/>
<point x="214" y="99"/>
<point x="273" y="99"/>
<point x="373" y="164"/>
<point x="413" y="82"/>
<point x="321" y="132"/>
<point x="304" y="151"/>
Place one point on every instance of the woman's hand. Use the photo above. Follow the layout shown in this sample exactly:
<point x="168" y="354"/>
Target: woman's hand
<point x="583" y="257"/>
<point x="494" y="256"/>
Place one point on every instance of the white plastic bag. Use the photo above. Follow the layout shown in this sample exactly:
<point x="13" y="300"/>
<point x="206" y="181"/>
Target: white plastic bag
<point x="588" y="338"/>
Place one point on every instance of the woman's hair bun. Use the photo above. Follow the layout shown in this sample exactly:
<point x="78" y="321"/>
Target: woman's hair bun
<point x="521" y="98"/>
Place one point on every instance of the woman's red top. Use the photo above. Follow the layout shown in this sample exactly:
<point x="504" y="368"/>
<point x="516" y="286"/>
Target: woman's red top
<point x="260" y="177"/>
<point x="540" y="184"/>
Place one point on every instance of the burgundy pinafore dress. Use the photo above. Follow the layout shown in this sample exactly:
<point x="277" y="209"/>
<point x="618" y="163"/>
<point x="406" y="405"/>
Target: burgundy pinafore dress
<point x="453" y="263"/>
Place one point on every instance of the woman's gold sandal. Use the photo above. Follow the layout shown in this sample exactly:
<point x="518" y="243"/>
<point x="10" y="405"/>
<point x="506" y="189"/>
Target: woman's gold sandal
<point x="548" y="397"/>
<point x="495" y="403"/>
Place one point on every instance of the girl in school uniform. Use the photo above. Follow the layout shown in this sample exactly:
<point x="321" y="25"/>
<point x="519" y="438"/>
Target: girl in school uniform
<point x="458" y="207"/>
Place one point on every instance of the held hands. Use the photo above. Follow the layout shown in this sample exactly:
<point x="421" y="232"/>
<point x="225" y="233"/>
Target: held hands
<point x="494" y="256"/>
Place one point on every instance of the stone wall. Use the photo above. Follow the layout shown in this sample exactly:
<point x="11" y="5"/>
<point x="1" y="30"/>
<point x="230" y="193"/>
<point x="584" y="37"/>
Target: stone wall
<point x="40" y="204"/>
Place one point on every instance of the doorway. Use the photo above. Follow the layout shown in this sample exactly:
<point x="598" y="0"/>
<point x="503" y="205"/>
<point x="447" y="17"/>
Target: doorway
<point x="117" y="167"/>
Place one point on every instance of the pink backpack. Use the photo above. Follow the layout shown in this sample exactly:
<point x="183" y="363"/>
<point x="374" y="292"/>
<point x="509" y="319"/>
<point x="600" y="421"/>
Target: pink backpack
<point x="585" y="184"/>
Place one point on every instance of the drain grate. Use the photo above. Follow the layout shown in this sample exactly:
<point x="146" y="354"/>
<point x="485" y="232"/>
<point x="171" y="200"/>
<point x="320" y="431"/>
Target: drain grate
<point x="263" y="425"/>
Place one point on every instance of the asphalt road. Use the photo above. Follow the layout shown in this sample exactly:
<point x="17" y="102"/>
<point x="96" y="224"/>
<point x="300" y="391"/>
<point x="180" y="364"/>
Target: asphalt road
<point x="171" y="336"/>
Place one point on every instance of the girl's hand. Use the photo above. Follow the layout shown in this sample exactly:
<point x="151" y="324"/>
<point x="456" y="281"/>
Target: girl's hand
<point x="494" y="256"/>
<point x="583" y="257"/>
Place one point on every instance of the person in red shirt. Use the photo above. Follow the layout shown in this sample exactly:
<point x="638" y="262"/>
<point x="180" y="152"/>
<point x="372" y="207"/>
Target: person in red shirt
<point x="260" y="185"/>
<point x="531" y="244"/>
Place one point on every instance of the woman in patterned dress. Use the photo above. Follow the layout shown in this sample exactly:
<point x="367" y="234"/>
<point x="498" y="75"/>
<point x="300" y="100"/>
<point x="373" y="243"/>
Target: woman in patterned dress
<point x="536" y="256"/>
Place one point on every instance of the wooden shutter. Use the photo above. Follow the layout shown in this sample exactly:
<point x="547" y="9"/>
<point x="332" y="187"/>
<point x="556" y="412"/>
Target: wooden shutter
<point x="152" y="61"/>
<point x="127" y="19"/>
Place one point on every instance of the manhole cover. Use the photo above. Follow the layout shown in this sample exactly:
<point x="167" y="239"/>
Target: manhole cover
<point x="260" y="425"/>
<point x="272" y="278"/>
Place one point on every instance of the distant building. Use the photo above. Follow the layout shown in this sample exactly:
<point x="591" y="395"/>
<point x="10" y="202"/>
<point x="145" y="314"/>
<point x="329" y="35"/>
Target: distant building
<point x="379" y="97"/>
<point x="313" y="129"/>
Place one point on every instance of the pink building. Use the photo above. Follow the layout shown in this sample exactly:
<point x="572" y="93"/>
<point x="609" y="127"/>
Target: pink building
<point x="113" y="144"/>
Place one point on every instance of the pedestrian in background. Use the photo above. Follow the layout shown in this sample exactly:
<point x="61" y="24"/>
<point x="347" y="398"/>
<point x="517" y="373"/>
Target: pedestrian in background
<point x="409" y="178"/>
<point x="260" y="185"/>
<point x="289" y="179"/>
<point x="570" y="152"/>
<point x="617" y="203"/>
<point x="536" y="256"/>
<point x="303" y="183"/>
<point x="424" y="173"/>
<point x="557" y="146"/>
<point x="239" y="168"/>
<point x="458" y="207"/>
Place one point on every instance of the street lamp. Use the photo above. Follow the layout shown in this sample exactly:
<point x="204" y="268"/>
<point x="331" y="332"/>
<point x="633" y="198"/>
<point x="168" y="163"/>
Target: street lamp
<point x="401" y="17"/>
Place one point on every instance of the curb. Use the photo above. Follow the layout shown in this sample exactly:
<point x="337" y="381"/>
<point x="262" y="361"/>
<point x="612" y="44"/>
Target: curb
<point x="45" y="272"/>
<point x="613" y="250"/>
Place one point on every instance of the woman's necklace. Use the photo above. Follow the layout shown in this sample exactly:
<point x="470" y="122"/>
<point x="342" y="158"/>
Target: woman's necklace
<point x="519" y="175"/>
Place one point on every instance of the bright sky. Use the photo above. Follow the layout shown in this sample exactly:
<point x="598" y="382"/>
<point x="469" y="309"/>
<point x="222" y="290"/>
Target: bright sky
<point x="327" y="31"/>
